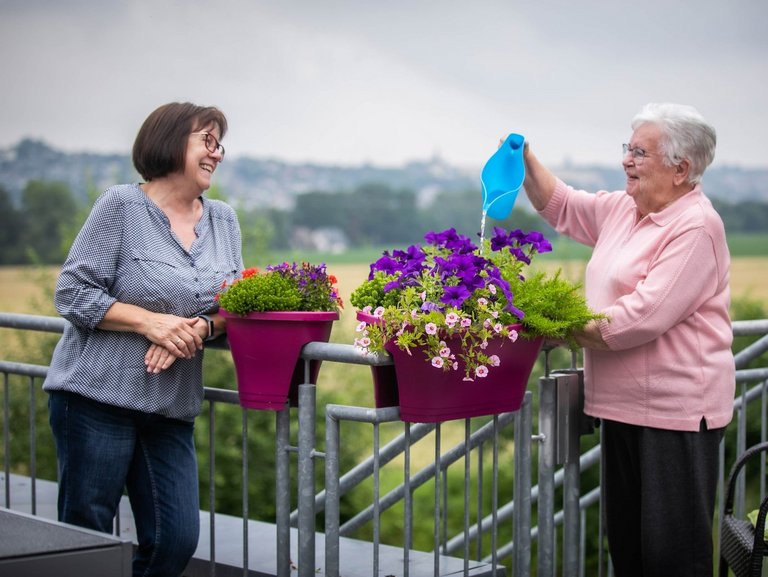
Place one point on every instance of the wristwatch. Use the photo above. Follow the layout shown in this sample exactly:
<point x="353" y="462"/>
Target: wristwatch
<point x="211" y="329"/>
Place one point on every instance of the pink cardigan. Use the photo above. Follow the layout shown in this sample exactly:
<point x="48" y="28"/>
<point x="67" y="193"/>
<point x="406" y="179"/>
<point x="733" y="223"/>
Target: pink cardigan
<point x="663" y="281"/>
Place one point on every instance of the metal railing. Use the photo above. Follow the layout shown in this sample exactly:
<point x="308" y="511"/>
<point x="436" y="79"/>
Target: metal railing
<point x="495" y="526"/>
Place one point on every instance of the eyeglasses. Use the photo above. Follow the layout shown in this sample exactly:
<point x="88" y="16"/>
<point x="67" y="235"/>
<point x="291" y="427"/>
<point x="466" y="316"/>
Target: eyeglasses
<point x="211" y="143"/>
<point x="638" y="154"/>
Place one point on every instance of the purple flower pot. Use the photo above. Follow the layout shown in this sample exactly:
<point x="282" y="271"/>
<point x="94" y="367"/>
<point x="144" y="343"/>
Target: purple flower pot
<point x="266" y="348"/>
<point x="429" y="395"/>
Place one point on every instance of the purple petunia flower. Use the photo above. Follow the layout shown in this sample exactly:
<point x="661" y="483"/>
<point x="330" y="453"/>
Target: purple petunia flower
<point x="454" y="296"/>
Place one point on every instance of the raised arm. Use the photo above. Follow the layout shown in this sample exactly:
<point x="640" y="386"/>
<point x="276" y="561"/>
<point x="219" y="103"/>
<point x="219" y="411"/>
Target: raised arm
<point x="539" y="181"/>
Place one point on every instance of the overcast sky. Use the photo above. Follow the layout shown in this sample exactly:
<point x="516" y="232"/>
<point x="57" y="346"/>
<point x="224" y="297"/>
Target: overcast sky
<point x="349" y="81"/>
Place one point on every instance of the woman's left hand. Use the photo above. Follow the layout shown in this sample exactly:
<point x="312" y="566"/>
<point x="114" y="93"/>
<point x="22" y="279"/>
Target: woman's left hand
<point x="158" y="358"/>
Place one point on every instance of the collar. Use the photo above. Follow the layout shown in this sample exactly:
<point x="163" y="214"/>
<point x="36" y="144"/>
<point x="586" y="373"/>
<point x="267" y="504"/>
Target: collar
<point x="677" y="207"/>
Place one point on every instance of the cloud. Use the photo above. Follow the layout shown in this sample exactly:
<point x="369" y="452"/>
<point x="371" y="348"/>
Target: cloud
<point x="345" y="81"/>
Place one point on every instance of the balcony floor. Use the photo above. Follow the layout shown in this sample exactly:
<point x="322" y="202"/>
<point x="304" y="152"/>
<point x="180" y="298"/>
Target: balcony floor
<point x="356" y="555"/>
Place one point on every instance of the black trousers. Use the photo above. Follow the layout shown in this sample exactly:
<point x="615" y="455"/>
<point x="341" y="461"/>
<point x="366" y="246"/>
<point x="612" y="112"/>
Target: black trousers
<point x="660" y="489"/>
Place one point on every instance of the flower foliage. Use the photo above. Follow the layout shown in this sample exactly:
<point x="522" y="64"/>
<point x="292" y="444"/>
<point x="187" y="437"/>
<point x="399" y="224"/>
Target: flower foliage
<point x="283" y="287"/>
<point x="451" y="289"/>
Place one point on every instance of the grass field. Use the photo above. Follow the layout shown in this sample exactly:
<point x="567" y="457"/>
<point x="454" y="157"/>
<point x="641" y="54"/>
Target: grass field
<point x="29" y="289"/>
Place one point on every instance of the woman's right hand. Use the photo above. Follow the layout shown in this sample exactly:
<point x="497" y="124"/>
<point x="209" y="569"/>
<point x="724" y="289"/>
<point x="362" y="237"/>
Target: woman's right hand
<point x="158" y="359"/>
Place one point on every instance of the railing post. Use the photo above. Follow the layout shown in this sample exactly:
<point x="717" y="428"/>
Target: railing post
<point x="283" y="491"/>
<point x="546" y="509"/>
<point x="306" y="471"/>
<point x="568" y="452"/>
<point x="521" y="553"/>
<point x="332" y="495"/>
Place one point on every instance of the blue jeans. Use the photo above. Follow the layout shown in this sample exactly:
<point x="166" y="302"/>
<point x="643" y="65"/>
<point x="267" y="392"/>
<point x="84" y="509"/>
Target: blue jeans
<point x="104" y="449"/>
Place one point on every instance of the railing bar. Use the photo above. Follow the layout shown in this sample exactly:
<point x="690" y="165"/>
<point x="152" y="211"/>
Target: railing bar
<point x="436" y="514"/>
<point x="212" y="486"/>
<point x="521" y="534"/>
<point x="408" y="505"/>
<point x="33" y="444"/>
<point x="495" y="493"/>
<point x="376" y="495"/>
<point x="741" y="446"/>
<point x="246" y="496"/>
<point x="332" y="509"/>
<point x="363" y="470"/>
<point x="306" y="478"/>
<point x="479" y="515"/>
<point x="425" y="474"/>
<point x="444" y="508"/>
<point x="283" y="491"/>
<point x="467" y="491"/>
<point x="6" y="439"/>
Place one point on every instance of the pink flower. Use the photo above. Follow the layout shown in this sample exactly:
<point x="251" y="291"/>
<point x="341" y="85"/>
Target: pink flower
<point x="445" y="352"/>
<point x="430" y="328"/>
<point x="451" y="319"/>
<point x="492" y="289"/>
<point x="484" y="345"/>
<point x="494" y="360"/>
<point x="481" y="371"/>
<point x="365" y="342"/>
<point x="513" y="335"/>
<point x="497" y="328"/>
<point x="379" y="312"/>
<point x="437" y="362"/>
<point x="367" y="309"/>
<point x="361" y="327"/>
<point x="482" y="301"/>
<point x="465" y="322"/>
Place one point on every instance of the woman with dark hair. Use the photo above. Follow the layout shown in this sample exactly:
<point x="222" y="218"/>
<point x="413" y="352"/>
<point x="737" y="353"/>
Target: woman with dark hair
<point x="139" y="291"/>
<point x="659" y="371"/>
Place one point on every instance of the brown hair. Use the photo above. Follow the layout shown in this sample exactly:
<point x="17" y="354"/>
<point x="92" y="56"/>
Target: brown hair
<point x="161" y="144"/>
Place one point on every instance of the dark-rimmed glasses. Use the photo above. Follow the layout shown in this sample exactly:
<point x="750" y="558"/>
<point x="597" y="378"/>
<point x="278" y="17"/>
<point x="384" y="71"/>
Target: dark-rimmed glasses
<point x="211" y="143"/>
<point x="638" y="154"/>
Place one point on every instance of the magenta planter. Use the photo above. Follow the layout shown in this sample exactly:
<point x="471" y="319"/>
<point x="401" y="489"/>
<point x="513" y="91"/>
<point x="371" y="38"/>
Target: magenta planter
<point x="430" y="395"/>
<point x="266" y="347"/>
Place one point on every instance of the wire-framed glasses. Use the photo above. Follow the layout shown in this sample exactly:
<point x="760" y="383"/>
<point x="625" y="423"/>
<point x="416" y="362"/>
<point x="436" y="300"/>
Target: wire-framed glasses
<point x="638" y="154"/>
<point x="211" y="143"/>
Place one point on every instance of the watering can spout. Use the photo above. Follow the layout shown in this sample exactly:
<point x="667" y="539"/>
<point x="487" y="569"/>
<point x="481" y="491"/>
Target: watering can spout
<point x="502" y="177"/>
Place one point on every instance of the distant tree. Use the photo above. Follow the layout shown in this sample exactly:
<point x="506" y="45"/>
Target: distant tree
<point x="10" y="230"/>
<point x="378" y="214"/>
<point x="49" y="212"/>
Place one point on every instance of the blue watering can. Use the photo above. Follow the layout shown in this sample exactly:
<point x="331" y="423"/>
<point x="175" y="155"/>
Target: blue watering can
<point x="502" y="177"/>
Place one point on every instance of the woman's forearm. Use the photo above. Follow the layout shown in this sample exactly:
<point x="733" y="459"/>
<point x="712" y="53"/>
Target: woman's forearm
<point x="539" y="181"/>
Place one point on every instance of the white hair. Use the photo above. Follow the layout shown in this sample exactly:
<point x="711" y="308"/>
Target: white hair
<point x="686" y="135"/>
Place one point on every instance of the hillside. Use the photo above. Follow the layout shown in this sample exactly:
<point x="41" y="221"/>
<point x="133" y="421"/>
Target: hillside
<point x="249" y="182"/>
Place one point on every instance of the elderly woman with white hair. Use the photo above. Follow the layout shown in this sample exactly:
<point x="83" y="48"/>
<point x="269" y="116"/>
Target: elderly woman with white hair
<point x="659" y="371"/>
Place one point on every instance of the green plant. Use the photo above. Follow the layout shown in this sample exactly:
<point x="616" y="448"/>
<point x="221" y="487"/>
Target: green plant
<point x="284" y="287"/>
<point x="451" y="288"/>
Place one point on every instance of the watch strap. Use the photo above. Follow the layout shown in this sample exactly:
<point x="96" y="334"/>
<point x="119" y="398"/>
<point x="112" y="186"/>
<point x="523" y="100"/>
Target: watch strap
<point x="211" y="328"/>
